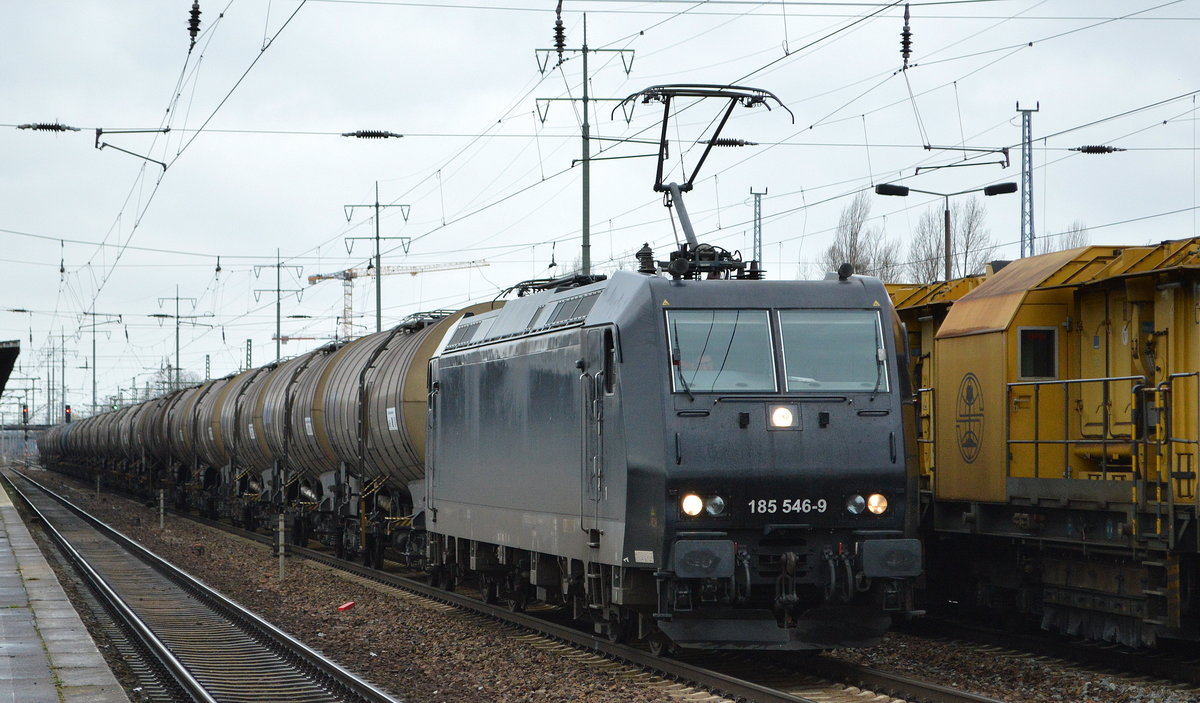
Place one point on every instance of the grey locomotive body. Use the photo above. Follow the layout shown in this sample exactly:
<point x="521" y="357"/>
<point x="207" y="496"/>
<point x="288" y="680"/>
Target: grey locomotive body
<point x="697" y="461"/>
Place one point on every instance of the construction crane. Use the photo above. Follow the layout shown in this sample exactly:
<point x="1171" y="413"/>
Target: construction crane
<point x="347" y="278"/>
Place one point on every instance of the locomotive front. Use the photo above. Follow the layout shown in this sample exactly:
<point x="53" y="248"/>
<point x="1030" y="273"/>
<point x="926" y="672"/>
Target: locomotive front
<point x="789" y="517"/>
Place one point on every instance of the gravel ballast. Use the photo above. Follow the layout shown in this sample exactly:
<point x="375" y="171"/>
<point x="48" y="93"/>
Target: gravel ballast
<point x="425" y="651"/>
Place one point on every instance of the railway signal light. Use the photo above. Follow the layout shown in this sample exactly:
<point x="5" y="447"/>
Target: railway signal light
<point x="67" y="411"/>
<point x="25" y="413"/>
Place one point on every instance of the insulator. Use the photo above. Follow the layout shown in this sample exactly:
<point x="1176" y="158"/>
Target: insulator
<point x="725" y="141"/>
<point x="905" y="39"/>
<point x="194" y="22"/>
<point x="371" y="134"/>
<point x="48" y="127"/>
<point x="560" y="37"/>
<point x="1097" y="149"/>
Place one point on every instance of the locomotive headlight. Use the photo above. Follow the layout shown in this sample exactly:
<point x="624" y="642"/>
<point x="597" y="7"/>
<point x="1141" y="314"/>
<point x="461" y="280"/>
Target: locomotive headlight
<point x="692" y="504"/>
<point x="877" y="503"/>
<point x="855" y="504"/>
<point x="714" y="506"/>
<point x="783" y="417"/>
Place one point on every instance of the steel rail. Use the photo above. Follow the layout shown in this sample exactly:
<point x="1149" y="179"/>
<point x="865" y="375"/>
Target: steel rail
<point x="150" y="641"/>
<point x="279" y="641"/>
<point x="897" y="685"/>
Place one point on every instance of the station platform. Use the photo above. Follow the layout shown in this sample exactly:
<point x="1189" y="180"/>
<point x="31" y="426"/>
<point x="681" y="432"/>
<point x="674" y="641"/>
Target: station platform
<point x="46" y="653"/>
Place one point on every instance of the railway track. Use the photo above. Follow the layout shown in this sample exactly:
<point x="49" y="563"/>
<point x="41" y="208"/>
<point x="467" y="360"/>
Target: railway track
<point x="773" y="678"/>
<point x="209" y="648"/>
<point x="1180" y="667"/>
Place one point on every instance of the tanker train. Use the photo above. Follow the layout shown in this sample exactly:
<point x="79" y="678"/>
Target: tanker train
<point x="703" y="459"/>
<point x="704" y="463"/>
<point x="1059" y="438"/>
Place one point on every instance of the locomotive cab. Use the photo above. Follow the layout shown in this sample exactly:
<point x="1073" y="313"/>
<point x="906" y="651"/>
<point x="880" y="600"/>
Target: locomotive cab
<point x="716" y="464"/>
<point x="787" y="471"/>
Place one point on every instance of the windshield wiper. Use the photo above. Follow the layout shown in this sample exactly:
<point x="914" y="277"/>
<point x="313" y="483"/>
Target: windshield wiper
<point x="880" y="359"/>
<point x="675" y="361"/>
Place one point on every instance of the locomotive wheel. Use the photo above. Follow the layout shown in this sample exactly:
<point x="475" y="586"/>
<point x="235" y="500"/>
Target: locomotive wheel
<point x="660" y="645"/>
<point x="443" y="578"/>
<point x="489" y="589"/>
<point x="616" y="630"/>
<point x="517" y="600"/>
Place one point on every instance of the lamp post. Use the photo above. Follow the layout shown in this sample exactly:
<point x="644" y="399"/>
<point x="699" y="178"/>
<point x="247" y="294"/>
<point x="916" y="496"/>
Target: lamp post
<point x="902" y="191"/>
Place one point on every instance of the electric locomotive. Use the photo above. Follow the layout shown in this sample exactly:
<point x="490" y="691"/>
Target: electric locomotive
<point x="709" y="463"/>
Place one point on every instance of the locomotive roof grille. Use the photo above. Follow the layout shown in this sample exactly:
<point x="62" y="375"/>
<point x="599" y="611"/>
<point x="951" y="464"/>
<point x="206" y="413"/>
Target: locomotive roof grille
<point x="565" y="313"/>
<point x="463" y="334"/>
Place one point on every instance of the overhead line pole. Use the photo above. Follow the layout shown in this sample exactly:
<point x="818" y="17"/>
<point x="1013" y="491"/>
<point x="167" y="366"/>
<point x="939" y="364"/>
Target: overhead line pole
<point x="758" y="224"/>
<point x="279" y="291"/>
<point x="94" y="323"/>
<point x="404" y="241"/>
<point x="1027" y="236"/>
<point x="179" y="319"/>
<point x="585" y="127"/>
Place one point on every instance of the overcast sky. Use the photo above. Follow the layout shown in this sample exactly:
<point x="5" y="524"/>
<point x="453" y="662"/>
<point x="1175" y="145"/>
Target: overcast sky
<point x="255" y="160"/>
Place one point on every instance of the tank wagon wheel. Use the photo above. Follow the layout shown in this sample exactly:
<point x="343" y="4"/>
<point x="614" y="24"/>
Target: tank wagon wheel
<point x="339" y="543"/>
<point x="299" y="531"/>
<point x="372" y="552"/>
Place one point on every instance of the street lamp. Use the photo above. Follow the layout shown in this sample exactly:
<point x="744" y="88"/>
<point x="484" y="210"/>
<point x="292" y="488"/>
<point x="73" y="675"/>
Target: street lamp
<point x="902" y="191"/>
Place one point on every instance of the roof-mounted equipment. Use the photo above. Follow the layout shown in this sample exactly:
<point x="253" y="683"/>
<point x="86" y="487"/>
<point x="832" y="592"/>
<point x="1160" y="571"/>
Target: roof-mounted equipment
<point x="693" y="260"/>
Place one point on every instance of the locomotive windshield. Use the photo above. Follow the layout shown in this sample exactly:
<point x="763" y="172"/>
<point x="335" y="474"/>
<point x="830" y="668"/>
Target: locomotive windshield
<point x="838" y="350"/>
<point x="721" y="351"/>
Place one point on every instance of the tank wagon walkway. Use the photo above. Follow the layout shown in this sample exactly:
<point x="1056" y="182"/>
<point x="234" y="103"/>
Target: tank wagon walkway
<point x="46" y="654"/>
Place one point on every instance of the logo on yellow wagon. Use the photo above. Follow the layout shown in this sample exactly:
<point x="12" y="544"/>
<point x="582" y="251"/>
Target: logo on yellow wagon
<point x="969" y="418"/>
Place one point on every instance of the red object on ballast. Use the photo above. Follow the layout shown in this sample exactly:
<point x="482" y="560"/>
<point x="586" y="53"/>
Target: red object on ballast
<point x="346" y="606"/>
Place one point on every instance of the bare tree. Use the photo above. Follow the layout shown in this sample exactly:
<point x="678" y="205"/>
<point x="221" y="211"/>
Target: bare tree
<point x="972" y="244"/>
<point x="925" y="256"/>
<point x="1075" y="236"/>
<point x="865" y="248"/>
<point x="164" y="378"/>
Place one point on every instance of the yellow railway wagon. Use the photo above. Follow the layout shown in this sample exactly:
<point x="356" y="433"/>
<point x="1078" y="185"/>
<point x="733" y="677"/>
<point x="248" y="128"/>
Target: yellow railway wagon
<point x="1059" y="419"/>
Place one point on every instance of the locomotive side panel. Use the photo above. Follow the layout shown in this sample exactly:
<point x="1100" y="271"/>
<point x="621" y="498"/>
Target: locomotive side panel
<point x="507" y="467"/>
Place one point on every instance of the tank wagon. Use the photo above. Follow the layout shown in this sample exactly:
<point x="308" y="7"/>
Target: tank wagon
<point x="1060" y="432"/>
